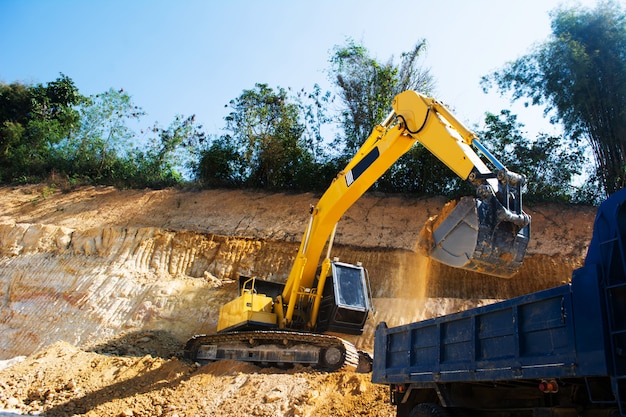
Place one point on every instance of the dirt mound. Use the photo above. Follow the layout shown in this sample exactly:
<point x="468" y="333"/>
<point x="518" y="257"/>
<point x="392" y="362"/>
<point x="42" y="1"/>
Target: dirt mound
<point x="100" y="288"/>
<point x="63" y="380"/>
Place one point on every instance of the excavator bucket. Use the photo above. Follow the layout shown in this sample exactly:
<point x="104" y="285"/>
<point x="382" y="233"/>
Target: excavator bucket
<point x="473" y="234"/>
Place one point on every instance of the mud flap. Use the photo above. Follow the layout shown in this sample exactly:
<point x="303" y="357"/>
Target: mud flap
<point x="477" y="235"/>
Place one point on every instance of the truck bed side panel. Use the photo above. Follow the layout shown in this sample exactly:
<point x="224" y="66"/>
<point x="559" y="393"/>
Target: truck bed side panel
<point x="532" y="336"/>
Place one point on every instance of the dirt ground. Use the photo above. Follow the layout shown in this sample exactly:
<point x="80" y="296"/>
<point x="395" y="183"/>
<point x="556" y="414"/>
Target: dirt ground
<point x="63" y="380"/>
<point x="99" y="289"/>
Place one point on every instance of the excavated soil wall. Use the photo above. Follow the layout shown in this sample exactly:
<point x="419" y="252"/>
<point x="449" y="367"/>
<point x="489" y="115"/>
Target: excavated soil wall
<point x="90" y="264"/>
<point x="101" y="287"/>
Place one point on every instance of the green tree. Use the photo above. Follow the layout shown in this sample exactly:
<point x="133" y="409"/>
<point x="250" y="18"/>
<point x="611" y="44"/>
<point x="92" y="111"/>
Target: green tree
<point x="366" y="89"/>
<point x="167" y="154"/>
<point x="317" y="168"/>
<point x="267" y="132"/>
<point x="314" y="110"/>
<point x="220" y="164"/>
<point x="96" y="149"/>
<point x="273" y="140"/>
<point x="549" y="164"/>
<point x="579" y="74"/>
<point x="33" y="119"/>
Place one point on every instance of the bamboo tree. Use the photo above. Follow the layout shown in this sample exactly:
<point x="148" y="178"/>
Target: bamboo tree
<point x="579" y="74"/>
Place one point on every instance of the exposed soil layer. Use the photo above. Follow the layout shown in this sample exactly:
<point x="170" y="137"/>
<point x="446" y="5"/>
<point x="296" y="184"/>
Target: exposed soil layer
<point x="99" y="289"/>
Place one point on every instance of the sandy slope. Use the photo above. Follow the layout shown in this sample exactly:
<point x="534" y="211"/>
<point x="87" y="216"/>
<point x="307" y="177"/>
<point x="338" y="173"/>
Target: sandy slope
<point x="100" y="287"/>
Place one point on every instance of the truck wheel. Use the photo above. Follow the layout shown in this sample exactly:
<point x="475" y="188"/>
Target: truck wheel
<point x="428" y="410"/>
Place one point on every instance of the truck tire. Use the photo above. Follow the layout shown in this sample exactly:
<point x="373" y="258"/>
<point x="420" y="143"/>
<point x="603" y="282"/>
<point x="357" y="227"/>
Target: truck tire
<point x="428" y="410"/>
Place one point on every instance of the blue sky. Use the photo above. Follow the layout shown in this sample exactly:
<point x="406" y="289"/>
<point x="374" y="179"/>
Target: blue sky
<point x="193" y="57"/>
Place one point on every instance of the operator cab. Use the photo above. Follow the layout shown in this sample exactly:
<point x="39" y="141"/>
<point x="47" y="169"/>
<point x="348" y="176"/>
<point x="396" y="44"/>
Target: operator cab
<point x="345" y="304"/>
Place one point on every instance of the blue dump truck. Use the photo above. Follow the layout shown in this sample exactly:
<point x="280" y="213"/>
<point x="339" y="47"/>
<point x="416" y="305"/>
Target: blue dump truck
<point x="558" y="352"/>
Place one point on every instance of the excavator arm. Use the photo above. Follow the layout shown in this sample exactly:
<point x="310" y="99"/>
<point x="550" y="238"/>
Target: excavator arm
<point x="488" y="233"/>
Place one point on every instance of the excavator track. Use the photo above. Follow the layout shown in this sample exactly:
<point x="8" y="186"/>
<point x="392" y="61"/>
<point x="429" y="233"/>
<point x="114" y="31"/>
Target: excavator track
<point x="279" y="348"/>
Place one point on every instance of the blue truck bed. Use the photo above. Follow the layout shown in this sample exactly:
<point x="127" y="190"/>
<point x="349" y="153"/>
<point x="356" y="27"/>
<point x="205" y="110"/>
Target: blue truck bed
<point x="574" y="335"/>
<point x="533" y="336"/>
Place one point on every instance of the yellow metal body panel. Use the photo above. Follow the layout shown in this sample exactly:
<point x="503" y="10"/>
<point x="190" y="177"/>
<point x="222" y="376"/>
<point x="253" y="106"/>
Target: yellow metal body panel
<point x="247" y="307"/>
<point x="432" y="124"/>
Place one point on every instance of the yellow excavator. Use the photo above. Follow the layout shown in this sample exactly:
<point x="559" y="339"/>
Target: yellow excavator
<point x="298" y="322"/>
